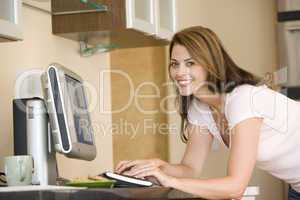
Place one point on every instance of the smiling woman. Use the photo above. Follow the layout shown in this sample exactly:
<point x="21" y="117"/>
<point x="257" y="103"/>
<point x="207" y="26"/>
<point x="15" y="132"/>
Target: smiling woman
<point x="200" y="65"/>
<point x="218" y="99"/>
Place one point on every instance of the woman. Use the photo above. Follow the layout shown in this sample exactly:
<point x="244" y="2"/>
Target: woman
<point x="220" y="100"/>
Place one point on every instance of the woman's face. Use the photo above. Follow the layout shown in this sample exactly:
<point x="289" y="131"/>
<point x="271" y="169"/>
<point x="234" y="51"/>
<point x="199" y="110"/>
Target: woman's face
<point x="188" y="76"/>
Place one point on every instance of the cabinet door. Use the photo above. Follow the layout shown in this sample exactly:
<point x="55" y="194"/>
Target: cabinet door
<point x="10" y="22"/>
<point x="140" y="15"/>
<point x="288" y="5"/>
<point x="166" y="13"/>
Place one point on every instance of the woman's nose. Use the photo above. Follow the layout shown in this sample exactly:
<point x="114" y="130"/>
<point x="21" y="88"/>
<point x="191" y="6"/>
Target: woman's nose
<point x="182" y="69"/>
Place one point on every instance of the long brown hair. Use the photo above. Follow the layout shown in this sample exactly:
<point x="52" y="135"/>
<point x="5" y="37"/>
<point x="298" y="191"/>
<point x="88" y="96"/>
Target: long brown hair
<point x="206" y="49"/>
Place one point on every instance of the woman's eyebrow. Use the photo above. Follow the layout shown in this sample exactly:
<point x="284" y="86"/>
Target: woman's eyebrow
<point x="187" y="59"/>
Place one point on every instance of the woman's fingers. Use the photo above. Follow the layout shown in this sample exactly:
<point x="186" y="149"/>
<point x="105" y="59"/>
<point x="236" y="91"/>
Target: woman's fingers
<point x="120" y="165"/>
<point x="127" y="164"/>
<point x="139" y="168"/>
<point x="146" y="172"/>
<point x="139" y="173"/>
<point x="162" y="178"/>
<point x="135" y="165"/>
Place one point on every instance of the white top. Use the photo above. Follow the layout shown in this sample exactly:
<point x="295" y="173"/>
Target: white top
<point x="279" y="142"/>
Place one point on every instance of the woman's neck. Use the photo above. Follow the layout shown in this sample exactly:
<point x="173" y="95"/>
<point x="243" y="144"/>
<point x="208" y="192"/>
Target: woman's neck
<point x="214" y="100"/>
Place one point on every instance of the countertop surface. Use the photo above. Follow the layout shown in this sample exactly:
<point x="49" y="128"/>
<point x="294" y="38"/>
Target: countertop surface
<point x="71" y="193"/>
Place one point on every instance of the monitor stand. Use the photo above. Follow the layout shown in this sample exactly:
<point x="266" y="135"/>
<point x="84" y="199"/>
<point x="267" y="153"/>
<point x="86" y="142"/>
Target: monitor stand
<point x="39" y="143"/>
<point x="32" y="136"/>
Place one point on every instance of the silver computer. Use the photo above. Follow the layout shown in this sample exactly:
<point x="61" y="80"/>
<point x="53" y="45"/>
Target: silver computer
<point x="67" y="107"/>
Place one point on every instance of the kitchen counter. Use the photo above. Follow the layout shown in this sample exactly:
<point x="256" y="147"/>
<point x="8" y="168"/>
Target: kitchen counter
<point x="56" y="193"/>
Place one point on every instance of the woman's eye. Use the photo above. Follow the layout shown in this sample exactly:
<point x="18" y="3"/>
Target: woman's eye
<point x="189" y="64"/>
<point x="173" y="64"/>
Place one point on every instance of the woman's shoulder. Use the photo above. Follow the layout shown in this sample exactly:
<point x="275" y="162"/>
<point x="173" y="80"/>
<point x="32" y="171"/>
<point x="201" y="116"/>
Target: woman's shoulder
<point x="247" y="89"/>
<point x="247" y="93"/>
<point x="246" y="101"/>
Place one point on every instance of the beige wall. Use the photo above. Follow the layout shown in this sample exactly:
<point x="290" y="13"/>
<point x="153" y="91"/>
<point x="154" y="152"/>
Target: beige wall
<point x="247" y="29"/>
<point x="37" y="50"/>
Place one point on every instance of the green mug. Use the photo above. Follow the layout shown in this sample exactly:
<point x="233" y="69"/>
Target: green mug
<point x="18" y="170"/>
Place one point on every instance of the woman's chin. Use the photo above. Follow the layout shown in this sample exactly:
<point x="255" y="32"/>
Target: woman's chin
<point x="185" y="91"/>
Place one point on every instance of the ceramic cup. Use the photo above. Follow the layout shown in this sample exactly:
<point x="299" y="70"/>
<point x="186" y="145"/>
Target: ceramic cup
<point x="18" y="170"/>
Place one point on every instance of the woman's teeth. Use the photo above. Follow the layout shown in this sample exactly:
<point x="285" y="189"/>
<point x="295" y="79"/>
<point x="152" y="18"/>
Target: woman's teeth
<point x="184" y="82"/>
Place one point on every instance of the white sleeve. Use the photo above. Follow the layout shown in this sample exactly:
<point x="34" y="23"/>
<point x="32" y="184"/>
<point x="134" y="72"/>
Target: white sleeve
<point x="242" y="103"/>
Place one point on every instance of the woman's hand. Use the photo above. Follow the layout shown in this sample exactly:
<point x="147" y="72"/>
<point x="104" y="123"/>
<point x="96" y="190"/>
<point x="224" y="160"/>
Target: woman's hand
<point x="159" y="175"/>
<point x="135" y="167"/>
<point x="149" y="168"/>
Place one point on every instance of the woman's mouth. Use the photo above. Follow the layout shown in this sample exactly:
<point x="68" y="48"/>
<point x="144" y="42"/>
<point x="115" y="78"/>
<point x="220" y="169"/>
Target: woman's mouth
<point x="184" y="83"/>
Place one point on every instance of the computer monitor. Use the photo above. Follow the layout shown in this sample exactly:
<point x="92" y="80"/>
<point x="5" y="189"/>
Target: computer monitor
<point x="69" y="117"/>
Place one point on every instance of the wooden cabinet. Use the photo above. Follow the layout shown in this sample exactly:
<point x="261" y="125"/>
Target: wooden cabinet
<point x="125" y="23"/>
<point x="10" y="20"/>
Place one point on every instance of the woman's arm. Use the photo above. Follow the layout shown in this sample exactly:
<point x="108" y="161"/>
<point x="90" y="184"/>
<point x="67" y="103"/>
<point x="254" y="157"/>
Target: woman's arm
<point x="242" y="159"/>
<point x="196" y="151"/>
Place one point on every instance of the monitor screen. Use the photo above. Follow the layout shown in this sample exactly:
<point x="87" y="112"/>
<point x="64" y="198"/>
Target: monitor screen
<point x="68" y="113"/>
<point x="79" y="107"/>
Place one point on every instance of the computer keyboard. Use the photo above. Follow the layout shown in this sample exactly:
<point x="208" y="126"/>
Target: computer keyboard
<point x="127" y="181"/>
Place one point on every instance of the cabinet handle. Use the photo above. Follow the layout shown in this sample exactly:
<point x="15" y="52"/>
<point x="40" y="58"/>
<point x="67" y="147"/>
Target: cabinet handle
<point x="96" y="7"/>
